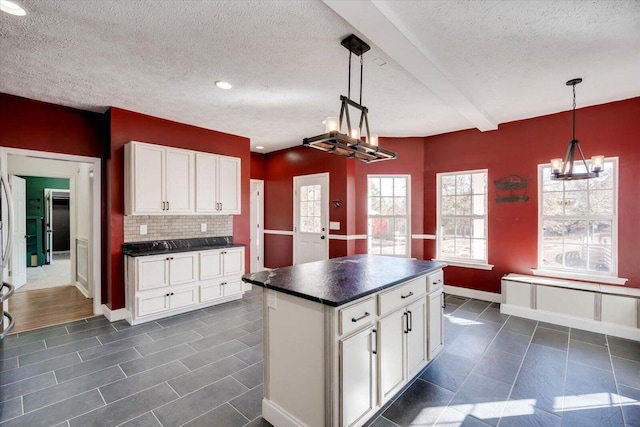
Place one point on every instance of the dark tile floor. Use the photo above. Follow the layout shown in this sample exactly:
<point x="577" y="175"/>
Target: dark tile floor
<point x="204" y="368"/>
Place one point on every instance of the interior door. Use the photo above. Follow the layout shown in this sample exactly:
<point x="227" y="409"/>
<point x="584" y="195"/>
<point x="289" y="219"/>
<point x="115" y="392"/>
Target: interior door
<point x="19" y="251"/>
<point x="257" y="220"/>
<point x="48" y="238"/>
<point x="311" y="219"/>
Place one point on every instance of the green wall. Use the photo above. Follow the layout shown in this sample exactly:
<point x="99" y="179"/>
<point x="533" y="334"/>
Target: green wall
<point x="35" y="213"/>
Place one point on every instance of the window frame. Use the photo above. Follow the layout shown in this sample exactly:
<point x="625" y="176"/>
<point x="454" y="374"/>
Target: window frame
<point x="456" y="261"/>
<point x="610" y="277"/>
<point x="407" y="217"/>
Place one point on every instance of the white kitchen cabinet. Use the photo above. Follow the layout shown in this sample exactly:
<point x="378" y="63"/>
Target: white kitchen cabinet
<point x="436" y="313"/>
<point x="358" y="382"/>
<point x="162" y="285"/>
<point x="158" y="180"/>
<point x="403" y="346"/>
<point x="217" y="184"/>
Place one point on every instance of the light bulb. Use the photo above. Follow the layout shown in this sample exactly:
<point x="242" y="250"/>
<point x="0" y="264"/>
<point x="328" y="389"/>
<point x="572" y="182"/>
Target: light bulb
<point x="597" y="163"/>
<point x="373" y="140"/>
<point x="355" y="133"/>
<point x="556" y="165"/>
<point x="330" y="124"/>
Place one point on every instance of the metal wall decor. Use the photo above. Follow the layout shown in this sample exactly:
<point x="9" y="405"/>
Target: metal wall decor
<point x="511" y="188"/>
<point x="349" y="144"/>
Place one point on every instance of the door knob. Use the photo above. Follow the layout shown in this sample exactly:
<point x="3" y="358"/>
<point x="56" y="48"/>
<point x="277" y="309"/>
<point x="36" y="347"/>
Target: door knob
<point x="322" y="237"/>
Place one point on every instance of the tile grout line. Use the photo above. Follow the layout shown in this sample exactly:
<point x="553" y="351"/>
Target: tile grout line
<point x="615" y="379"/>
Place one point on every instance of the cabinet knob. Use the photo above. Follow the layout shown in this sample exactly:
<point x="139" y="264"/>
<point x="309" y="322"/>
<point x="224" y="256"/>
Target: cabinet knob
<point x="171" y="293"/>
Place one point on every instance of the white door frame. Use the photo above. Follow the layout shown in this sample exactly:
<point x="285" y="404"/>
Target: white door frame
<point x="256" y="209"/>
<point x="95" y="238"/>
<point x="296" y="208"/>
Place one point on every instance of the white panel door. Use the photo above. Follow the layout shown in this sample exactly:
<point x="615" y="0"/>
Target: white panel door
<point x="257" y="221"/>
<point x="148" y="169"/>
<point x="210" y="265"/>
<point x="153" y="272"/>
<point x="358" y="376"/>
<point x="417" y="337"/>
<point x="229" y="185"/>
<point x="183" y="268"/>
<point x="19" y="250"/>
<point x="206" y="183"/>
<point x="392" y="330"/>
<point x="180" y="181"/>
<point x="310" y="218"/>
<point x="233" y="261"/>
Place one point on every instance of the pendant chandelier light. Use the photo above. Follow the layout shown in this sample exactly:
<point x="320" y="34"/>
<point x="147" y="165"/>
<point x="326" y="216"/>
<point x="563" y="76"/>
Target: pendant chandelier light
<point x="564" y="169"/>
<point x="349" y="144"/>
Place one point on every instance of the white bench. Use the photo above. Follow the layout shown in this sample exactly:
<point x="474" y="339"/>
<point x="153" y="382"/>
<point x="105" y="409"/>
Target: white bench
<point x="612" y="310"/>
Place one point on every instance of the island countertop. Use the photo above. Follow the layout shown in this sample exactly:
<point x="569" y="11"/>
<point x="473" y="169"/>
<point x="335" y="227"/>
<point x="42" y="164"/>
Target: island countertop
<point x="337" y="281"/>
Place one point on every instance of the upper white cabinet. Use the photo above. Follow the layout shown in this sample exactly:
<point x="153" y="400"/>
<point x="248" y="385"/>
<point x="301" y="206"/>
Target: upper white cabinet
<point x="158" y="180"/>
<point x="217" y="184"/>
<point x="164" y="181"/>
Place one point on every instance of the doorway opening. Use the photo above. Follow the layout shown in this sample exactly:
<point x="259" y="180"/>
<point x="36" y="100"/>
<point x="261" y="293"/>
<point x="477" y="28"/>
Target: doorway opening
<point x="310" y="218"/>
<point x="55" y="258"/>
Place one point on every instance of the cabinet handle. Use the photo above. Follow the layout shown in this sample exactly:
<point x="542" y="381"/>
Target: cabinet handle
<point x="406" y="323"/>
<point x="167" y="205"/>
<point x="437" y="282"/>
<point x="366" y="314"/>
<point x="410" y="327"/>
<point x="444" y="300"/>
<point x="374" y="340"/>
<point x="410" y="294"/>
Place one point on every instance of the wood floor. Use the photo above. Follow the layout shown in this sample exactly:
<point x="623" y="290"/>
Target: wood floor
<point x="46" y="307"/>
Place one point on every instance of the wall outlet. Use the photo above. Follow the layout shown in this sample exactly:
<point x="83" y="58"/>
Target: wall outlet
<point x="203" y="227"/>
<point x="143" y="229"/>
<point x="271" y="299"/>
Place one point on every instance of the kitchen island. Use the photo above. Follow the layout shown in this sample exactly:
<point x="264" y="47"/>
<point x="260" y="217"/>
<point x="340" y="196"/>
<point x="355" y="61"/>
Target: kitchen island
<point x="343" y="336"/>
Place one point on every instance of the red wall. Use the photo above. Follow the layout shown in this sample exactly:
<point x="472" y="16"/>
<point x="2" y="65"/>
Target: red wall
<point x="257" y="166"/>
<point x="281" y="167"/>
<point x="517" y="148"/>
<point x="409" y="162"/>
<point x="128" y="126"/>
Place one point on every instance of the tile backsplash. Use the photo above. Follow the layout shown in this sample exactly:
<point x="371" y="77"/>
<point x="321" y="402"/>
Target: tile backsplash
<point x="176" y="227"/>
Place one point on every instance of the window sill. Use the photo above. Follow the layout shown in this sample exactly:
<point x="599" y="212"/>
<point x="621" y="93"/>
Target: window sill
<point x="477" y="266"/>
<point x="609" y="280"/>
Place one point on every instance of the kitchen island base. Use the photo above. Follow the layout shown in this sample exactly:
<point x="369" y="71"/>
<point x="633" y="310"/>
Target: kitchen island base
<point x="330" y="365"/>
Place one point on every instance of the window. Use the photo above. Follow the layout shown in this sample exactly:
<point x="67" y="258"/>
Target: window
<point x="388" y="215"/>
<point x="578" y="223"/>
<point x="462" y="217"/>
<point x="310" y="208"/>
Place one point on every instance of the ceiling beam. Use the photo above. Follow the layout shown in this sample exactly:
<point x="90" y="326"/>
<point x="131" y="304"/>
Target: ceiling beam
<point x="376" y="21"/>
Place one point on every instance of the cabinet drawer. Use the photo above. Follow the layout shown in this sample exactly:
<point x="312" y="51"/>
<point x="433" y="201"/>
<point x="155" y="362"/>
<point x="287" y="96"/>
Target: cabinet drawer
<point x="233" y="287"/>
<point x="401" y="295"/>
<point x="351" y="318"/>
<point x="210" y="291"/>
<point x="153" y="303"/>
<point x="435" y="281"/>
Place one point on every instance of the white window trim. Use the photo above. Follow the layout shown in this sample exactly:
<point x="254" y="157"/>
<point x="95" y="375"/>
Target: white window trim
<point x="408" y="216"/>
<point x="612" y="277"/>
<point x="461" y="262"/>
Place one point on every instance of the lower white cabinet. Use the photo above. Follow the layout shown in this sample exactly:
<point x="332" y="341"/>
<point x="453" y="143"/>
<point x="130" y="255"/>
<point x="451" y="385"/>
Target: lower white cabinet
<point x="367" y="351"/>
<point x="436" y="313"/>
<point x="358" y="381"/>
<point x="163" y="285"/>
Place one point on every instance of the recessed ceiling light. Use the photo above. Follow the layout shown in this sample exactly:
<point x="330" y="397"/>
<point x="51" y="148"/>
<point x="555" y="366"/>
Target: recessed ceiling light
<point x="223" y="85"/>
<point x="12" y="8"/>
<point x="259" y="147"/>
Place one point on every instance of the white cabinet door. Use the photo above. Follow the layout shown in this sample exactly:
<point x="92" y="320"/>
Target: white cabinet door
<point x="392" y="330"/>
<point x="233" y="261"/>
<point x="436" y="335"/>
<point x="152" y="272"/>
<point x="229" y="185"/>
<point x="206" y="183"/>
<point x="417" y="337"/>
<point x="211" y="291"/>
<point x="233" y="287"/>
<point x="210" y="265"/>
<point x="180" y="181"/>
<point x="183" y="268"/>
<point x="183" y="297"/>
<point x="148" y="170"/>
<point x="152" y="302"/>
<point x="358" y="376"/>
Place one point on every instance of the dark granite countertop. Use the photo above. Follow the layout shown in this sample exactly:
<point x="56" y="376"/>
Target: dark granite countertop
<point x="341" y="280"/>
<point x="159" y="247"/>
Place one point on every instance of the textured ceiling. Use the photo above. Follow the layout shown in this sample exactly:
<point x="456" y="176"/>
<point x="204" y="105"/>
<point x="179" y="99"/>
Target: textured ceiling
<point x="450" y="65"/>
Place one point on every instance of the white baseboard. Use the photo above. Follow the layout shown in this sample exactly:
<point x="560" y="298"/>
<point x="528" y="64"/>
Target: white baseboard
<point x="114" y="315"/>
<point x="572" y="322"/>
<point x="82" y="290"/>
<point x="278" y="416"/>
<point x="472" y="293"/>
